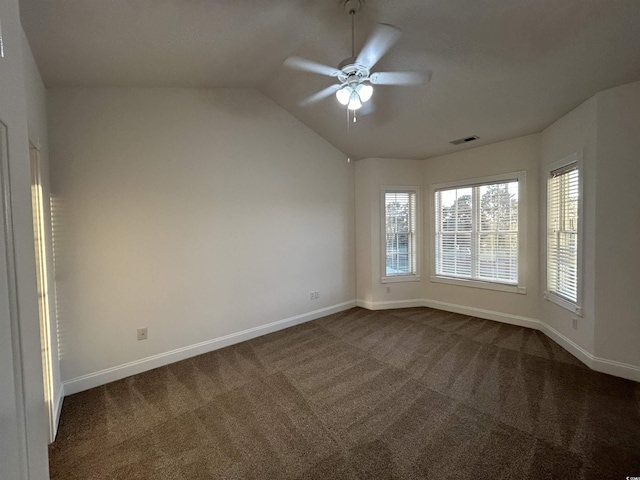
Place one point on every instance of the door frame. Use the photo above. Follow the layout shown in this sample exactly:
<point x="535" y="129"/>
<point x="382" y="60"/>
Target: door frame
<point x="42" y="267"/>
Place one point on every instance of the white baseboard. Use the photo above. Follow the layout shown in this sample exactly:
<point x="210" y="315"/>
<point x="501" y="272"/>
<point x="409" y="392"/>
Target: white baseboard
<point x="618" y="369"/>
<point x="85" y="382"/>
<point x="611" y="367"/>
<point x="482" y="313"/>
<point x="569" y="345"/>
<point x="452" y="307"/>
<point x="390" y="304"/>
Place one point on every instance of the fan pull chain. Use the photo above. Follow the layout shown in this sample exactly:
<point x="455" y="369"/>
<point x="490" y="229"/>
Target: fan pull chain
<point x="348" y="125"/>
<point x="348" y="136"/>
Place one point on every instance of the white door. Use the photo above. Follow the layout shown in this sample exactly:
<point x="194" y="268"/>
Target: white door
<point x="12" y="427"/>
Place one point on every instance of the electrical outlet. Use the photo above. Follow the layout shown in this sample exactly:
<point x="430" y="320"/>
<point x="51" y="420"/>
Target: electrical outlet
<point x="142" y="333"/>
<point x="388" y="289"/>
<point x="574" y="321"/>
<point x="311" y="295"/>
<point x="316" y="294"/>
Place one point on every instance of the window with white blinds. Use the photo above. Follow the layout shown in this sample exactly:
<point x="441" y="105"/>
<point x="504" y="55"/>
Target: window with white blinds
<point x="563" y="200"/>
<point x="477" y="231"/>
<point x="400" y="234"/>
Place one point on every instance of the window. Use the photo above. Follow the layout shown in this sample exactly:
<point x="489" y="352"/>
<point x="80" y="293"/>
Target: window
<point x="400" y="250"/>
<point x="477" y="239"/>
<point x="563" y="215"/>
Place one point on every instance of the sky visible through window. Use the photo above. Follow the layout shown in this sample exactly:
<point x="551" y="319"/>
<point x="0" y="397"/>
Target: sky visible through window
<point x="448" y="197"/>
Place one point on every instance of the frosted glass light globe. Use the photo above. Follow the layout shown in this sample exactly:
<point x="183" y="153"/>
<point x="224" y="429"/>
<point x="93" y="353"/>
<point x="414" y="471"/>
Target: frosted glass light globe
<point x="354" y="101"/>
<point x="344" y="94"/>
<point x="364" y="92"/>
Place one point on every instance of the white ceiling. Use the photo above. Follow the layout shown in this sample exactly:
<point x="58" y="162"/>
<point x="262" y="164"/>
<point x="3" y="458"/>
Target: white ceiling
<point x="501" y="68"/>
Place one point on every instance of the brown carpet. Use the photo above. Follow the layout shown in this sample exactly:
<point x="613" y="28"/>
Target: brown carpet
<point x="411" y="393"/>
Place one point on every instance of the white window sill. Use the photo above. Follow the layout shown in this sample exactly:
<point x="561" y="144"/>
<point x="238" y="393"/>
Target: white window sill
<point x="400" y="278"/>
<point x="564" y="303"/>
<point x="502" y="287"/>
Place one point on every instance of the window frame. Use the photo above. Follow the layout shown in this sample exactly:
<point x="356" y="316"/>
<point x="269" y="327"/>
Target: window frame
<point x="412" y="277"/>
<point x="520" y="286"/>
<point x="573" y="307"/>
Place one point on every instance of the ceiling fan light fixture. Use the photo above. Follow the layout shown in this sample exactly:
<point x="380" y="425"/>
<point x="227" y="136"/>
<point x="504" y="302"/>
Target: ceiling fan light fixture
<point x="352" y="97"/>
<point x="364" y="92"/>
<point x="344" y="94"/>
<point x="354" y="101"/>
<point x="354" y="77"/>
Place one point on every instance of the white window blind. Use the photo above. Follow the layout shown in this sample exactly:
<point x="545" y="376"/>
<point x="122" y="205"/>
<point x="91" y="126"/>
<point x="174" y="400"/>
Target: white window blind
<point x="476" y="232"/>
<point x="562" y="232"/>
<point x="400" y="233"/>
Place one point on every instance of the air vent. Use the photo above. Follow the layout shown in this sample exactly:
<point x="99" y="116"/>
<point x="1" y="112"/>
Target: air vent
<point x="464" y="140"/>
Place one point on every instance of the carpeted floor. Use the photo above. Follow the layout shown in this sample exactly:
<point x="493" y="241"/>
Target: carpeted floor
<point x="407" y="394"/>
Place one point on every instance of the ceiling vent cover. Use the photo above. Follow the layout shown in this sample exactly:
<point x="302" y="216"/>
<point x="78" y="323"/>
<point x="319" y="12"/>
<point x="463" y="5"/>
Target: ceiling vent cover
<point x="464" y="140"/>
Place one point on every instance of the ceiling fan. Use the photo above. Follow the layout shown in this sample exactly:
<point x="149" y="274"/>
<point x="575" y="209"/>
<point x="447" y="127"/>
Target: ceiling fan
<point x="354" y="75"/>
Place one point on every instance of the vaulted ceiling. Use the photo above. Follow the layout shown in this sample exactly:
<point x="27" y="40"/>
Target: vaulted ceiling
<point x="501" y="68"/>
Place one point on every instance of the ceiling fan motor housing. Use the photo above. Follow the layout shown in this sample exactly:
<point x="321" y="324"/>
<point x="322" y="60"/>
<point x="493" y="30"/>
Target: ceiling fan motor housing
<point x="351" y="72"/>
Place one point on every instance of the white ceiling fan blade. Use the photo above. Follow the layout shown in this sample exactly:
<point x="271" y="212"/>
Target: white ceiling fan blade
<point x="299" y="63"/>
<point x="381" y="40"/>
<point x="325" y="92"/>
<point x="400" y="78"/>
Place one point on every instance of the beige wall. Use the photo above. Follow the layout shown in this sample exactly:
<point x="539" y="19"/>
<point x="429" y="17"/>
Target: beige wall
<point x="364" y="231"/>
<point x="617" y="262"/>
<point x="196" y="213"/>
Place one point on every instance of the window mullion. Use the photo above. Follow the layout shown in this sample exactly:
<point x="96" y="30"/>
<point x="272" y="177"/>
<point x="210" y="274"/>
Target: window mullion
<point x="412" y="246"/>
<point x="438" y="246"/>
<point x="558" y="266"/>
<point x="475" y="214"/>
<point x="561" y="263"/>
